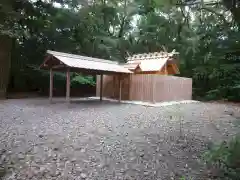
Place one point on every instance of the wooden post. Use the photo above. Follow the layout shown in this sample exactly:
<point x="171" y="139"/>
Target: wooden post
<point x="68" y="85"/>
<point x="51" y="85"/>
<point x="101" y="87"/>
<point x="120" y="89"/>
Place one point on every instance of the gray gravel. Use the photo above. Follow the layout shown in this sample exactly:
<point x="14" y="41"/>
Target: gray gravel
<point x="92" y="140"/>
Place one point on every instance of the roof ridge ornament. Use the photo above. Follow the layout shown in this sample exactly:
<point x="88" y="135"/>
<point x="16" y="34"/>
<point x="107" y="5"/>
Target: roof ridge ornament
<point x="152" y="56"/>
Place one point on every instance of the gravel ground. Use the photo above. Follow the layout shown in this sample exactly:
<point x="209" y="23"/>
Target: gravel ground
<point x="95" y="141"/>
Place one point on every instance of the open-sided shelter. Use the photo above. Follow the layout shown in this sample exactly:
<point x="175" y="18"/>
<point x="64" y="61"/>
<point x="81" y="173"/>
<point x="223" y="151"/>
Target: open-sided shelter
<point x="63" y="62"/>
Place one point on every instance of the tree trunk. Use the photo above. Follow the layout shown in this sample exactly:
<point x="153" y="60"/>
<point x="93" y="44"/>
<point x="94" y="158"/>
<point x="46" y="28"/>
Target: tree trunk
<point x="5" y="49"/>
<point x="5" y="59"/>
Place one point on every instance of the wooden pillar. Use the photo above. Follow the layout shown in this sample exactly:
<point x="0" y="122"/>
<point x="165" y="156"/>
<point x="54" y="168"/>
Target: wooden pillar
<point x="68" y="86"/>
<point x="101" y="87"/>
<point x="120" y="88"/>
<point x="51" y="85"/>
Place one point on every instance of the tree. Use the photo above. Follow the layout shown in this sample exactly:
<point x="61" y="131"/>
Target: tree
<point x="206" y="34"/>
<point x="5" y="44"/>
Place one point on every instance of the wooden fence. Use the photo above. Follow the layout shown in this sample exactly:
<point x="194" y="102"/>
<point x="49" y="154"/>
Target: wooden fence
<point x="147" y="87"/>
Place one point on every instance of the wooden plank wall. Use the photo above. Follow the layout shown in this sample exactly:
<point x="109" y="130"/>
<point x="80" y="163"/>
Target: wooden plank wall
<point x="172" y="88"/>
<point x="141" y="87"/>
<point x="108" y="86"/>
<point x="111" y="86"/>
<point x="147" y="87"/>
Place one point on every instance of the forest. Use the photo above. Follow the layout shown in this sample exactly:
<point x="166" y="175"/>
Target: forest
<point x="204" y="32"/>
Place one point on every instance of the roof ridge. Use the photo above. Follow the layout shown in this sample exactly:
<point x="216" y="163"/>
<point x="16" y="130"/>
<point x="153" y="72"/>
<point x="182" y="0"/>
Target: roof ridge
<point x="82" y="63"/>
<point x="152" y="56"/>
<point x="75" y="56"/>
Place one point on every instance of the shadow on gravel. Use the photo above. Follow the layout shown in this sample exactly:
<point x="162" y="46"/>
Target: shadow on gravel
<point x="74" y="103"/>
<point x="94" y="102"/>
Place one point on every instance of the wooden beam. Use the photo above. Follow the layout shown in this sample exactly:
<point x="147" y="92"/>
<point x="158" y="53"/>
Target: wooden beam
<point x="45" y="61"/>
<point x="51" y="85"/>
<point x="120" y="88"/>
<point x="101" y="87"/>
<point x="68" y="85"/>
<point x="59" y="66"/>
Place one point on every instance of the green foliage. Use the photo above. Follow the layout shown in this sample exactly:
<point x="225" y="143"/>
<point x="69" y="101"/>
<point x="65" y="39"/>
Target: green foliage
<point x="205" y="34"/>
<point x="79" y="79"/>
<point x="2" y="172"/>
<point x="225" y="158"/>
<point x="184" y="178"/>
